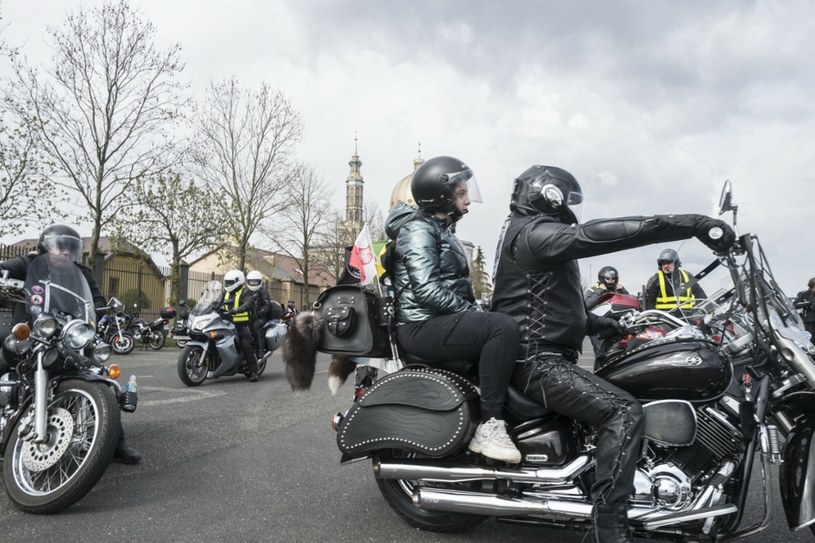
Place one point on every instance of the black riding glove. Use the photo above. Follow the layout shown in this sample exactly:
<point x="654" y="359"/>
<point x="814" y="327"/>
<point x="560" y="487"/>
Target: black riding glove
<point x="603" y="327"/>
<point x="702" y="232"/>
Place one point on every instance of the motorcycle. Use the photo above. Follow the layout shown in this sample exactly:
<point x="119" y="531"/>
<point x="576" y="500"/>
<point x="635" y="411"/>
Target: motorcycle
<point x="213" y="349"/>
<point x="59" y="402"/>
<point x="180" y="333"/>
<point x="112" y="328"/>
<point x="720" y="391"/>
<point x="151" y="334"/>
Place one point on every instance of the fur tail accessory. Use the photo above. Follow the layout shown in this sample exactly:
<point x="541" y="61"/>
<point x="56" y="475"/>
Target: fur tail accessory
<point x="300" y="350"/>
<point x="338" y="371"/>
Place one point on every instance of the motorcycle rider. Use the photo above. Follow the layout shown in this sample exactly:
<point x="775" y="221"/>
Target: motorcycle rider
<point x="537" y="282"/>
<point x="240" y="305"/>
<point x="662" y="287"/>
<point x="437" y="316"/>
<point x="805" y="301"/>
<point x="607" y="281"/>
<point x="264" y="309"/>
<point x="290" y="312"/>
<point x="59" y="239"/>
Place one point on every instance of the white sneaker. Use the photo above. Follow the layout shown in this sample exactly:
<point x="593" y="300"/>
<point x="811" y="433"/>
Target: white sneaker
<point x="492" y="441"/>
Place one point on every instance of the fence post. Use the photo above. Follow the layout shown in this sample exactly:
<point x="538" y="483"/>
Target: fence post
<point x="183" y="278"/>
<point x="99" y="274"/>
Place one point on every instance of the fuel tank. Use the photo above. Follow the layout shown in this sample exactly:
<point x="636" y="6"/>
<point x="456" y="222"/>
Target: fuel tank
<point x="663" y="369"/>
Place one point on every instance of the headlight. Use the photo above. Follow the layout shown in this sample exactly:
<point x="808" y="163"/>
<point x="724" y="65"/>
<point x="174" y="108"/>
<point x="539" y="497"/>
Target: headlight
<point x="45" y="326"/>
<point x="101" y="353"/>
<point x="77" y="334"/>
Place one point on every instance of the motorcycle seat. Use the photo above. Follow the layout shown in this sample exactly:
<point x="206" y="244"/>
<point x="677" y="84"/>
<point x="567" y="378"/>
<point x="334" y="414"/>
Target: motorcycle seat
<point x="462" y="367"/>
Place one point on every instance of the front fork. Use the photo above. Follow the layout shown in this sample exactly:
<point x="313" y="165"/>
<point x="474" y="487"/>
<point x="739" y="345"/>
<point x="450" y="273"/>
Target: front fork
<point x="34" y="426"/>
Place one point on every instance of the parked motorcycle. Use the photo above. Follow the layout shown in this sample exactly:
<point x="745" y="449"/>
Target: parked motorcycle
<point x="720" y="391"/>
<point x="152" y="334"/>
<point x="213" y="349"/>
<point x="112" y="328"/>
<point x="180" y="333"/>
<point x="59" y="402"/>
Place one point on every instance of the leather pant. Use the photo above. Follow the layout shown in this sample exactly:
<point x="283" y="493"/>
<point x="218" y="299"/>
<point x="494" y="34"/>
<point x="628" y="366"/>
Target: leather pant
<point x="244" y="331"/>
<point x="561" y="385"/>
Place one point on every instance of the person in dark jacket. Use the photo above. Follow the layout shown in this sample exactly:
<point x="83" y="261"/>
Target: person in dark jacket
<point x="264" y="309"/>
<point x="805" y="301"/>
<point x="608" y="280"/>
<point x="663" y="290"/>
<point x="537" y="283"/>
<point x="62" y="239"/>
<point x="437" y="317"/>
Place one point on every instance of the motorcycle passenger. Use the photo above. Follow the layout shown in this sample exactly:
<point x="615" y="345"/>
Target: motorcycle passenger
<point x="60" y="239"/>
<point x="662" y="287"/>
<point x="239" y="305"/>
<point x="537" y="282"/>
<point x="607" y="281"/>
<point x="290" y="312"/>
<point x="265" y="308"/>
<point x="437" y="316"/>
<point x="805" y="301"/>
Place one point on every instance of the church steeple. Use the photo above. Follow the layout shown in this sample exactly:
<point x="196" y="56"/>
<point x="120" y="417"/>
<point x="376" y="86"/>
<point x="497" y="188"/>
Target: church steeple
<point x="354" y="186"/>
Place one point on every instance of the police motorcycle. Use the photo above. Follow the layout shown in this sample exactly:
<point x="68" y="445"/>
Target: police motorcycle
<point x="213" y="349"/>
<point x="722" y="394"/>
<point x="59" y="401"/>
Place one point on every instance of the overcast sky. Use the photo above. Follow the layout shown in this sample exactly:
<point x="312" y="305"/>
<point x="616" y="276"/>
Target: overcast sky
<point x="650" y="104"/>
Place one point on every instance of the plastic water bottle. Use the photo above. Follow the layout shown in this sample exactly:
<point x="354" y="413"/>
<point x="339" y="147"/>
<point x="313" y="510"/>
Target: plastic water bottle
<point x="130" y="398"/>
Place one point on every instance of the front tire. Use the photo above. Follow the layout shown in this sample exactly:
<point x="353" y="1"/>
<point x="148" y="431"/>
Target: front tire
<point x="398" y="494"/>
<point x="83" y="428"/>
<point x="192" y="370"/>
<point x="122" y="343"/>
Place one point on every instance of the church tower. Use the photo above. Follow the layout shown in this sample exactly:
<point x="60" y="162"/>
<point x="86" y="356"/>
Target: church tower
<point x="354" y="186"/>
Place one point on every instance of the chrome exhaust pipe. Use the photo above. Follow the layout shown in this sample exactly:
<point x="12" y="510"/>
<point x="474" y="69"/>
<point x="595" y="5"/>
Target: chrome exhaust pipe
<point x="474" y="503"/>
<point x="434" y="470"/>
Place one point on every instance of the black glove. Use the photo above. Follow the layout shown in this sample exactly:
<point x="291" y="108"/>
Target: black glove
<point x="702" y="229"/>
<point x="608" y="328"/>
<point x="232" y="311"/>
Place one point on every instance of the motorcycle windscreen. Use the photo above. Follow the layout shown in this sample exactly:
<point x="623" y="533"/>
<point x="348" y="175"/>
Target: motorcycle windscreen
<point x="55" y="285"/>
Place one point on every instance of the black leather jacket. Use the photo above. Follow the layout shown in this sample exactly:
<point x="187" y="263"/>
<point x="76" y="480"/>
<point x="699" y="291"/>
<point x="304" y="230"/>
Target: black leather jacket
<point x="538" y="281"/>
<point x="430" y="272"/>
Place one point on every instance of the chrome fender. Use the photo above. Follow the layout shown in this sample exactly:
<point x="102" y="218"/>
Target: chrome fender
<point x="797" y="475"/>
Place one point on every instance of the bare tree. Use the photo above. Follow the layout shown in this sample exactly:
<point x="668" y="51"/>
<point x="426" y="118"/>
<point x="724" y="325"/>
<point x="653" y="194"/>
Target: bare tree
<point x="300" y="224"/>
<point x="26" y="195"/>
<point x="372" y="215"/>
<point x="243" y="143"/>
<point x="331" y="244"/>
<point x="103" y="107"/>
<point x="177" y="218"/>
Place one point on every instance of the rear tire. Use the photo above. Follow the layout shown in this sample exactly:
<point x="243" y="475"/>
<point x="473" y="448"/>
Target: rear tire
<point x="156" y="339"/>
<point x="191" y="370"/>
<point x="398" y="494"/>
<point x="48" y="478"/>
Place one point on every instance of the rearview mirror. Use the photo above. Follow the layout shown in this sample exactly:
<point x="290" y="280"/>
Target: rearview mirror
<point x="726" y="198"/>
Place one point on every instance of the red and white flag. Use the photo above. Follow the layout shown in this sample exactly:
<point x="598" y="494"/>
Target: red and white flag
<point x="363" y="257"/>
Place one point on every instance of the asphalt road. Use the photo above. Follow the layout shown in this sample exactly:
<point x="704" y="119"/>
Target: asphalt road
<point x="236" y="461"/>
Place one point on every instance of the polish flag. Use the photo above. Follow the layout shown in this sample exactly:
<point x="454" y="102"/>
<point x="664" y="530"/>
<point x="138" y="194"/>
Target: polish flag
<point x="363" y="258"/>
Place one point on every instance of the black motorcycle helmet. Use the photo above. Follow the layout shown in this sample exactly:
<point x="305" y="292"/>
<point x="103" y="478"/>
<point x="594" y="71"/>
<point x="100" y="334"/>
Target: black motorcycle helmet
<point x="434" y="181"/>
<point x="608" y="272"/>
<point x="60" y="239"/>
<point x="668" y="255"/>
<point x="548" y="190"/>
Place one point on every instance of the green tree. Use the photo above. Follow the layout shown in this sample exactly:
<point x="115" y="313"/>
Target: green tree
<point x="103" y="109"/>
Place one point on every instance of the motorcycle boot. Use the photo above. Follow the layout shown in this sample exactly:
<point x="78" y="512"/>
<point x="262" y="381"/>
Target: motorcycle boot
<point x="125" y="454"/>
<point x="610" y="523"/>
<point x="491" y="440"/>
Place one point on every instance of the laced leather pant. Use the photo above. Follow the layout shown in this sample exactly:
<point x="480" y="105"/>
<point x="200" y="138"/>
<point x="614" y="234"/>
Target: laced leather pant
<point x="561" y="385"/>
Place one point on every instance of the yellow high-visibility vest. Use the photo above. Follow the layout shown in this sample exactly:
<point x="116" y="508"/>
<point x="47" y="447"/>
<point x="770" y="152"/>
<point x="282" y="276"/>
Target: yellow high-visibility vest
<point x="239" y="317"/>
<point x="666" y="302"/>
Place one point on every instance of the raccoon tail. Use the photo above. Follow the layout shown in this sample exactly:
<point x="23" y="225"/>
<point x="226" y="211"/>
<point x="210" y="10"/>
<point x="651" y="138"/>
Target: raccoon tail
<point x="338" y="371"/>
<point x="300" y="350"/>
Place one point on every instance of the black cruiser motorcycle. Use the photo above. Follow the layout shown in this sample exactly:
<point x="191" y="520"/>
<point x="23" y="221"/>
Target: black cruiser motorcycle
<point x="721" y="391"/>
<point x="59" y="402"/>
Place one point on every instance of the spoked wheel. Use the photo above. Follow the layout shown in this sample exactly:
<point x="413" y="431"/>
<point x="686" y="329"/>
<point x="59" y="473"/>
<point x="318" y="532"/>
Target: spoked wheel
<point x="192" y="366"/>
<point x="122" y="343"/>
<point x="398" y="494"/>
<point x="83" y="429"/>
<point x="156" y="339"/>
